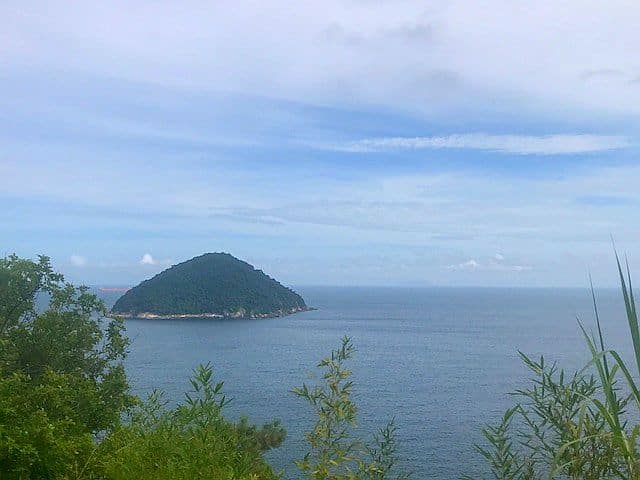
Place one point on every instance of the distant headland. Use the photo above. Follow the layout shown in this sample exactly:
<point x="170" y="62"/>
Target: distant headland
<point x="213" y="285"/>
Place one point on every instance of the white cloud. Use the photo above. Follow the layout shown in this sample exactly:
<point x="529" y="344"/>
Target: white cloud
<point x="78" y="261"/>
<point x="510" y="144"/>
<point x="147" y="259"/>
<point x="412" y="54"/>
<point x="519" y="268"/>
<point x="468" y="265"/>
<point x="496" y="263"/>
<point x="536" y="221"/>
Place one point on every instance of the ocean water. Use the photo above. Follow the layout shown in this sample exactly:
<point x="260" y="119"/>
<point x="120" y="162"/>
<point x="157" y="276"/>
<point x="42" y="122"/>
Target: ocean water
<point x="441" y="361"/>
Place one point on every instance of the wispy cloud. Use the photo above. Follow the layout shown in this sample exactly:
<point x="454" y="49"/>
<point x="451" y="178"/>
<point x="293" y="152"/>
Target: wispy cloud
<point x="602" y="73"/>
<point x="78" y="261"/>
<point x="495" y="263"/>
<point x="345" y="51"/>
<point x="562" y="144"/>
<point x="468" y="265"/>
<point x="607" y="200"/>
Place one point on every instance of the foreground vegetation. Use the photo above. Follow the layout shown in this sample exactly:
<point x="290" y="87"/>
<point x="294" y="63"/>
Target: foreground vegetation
<point x="582" y="425"/>
<point x="65" y="407"/>
<point x="66" y="411"/>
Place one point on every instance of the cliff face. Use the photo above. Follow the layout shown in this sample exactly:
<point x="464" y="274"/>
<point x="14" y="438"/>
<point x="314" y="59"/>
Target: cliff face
<point x="211" y="285"/>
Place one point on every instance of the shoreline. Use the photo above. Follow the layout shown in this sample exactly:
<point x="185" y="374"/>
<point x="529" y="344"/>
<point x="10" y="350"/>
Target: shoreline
<point x="221" y="316"/>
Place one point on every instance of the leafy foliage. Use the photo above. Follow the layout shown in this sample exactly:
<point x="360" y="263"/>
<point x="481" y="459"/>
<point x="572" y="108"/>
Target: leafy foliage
<point x="212" y="283"/>
<point x="61" y="373"/>
<point x="578" y="427"/>
<point x="560" y="434"/>
<point x="63" y="394"/>
<point x="21" y="281"/>
<point x="334" y="453"/>
<point x="41" y="434"/>
<point x="193" y="440"/>
<point x="503" y="462"/>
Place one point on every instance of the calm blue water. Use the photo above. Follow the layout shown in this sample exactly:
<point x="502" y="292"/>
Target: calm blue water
<point x="439" y="360"/>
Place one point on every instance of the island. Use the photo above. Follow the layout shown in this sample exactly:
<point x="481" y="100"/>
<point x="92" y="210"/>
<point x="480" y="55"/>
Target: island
<point x="213" y="285"/>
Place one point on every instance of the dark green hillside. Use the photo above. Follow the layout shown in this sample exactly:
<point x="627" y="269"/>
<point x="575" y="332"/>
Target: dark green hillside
<point x="213" y="283"/>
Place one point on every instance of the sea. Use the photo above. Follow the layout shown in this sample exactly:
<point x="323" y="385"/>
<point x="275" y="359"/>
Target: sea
<point x="440" y="362"/>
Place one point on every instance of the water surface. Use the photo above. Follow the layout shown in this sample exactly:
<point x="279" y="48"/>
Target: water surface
<point x="439" y="360"/>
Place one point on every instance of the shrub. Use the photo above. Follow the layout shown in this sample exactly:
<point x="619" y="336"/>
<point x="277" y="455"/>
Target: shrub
<point x="62" y="381"/>
<point x="334" y="452"/>
<point x="64" y="393"/>
<point x="582" y="426"/>
<point x="193" y="440"/>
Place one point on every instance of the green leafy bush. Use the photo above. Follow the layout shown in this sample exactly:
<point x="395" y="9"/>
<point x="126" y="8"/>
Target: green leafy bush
<point x="334" y="452"/>
<point x="193" y="440"/>
<point x="582" y="426"/>
<point x="41" y="436"/>
<point x="62" y="381"/>
<point x="64" y="394"/>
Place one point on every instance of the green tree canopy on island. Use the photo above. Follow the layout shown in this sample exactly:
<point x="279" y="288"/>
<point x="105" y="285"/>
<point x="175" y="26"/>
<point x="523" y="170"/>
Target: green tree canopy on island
<point x="213" y="283"/>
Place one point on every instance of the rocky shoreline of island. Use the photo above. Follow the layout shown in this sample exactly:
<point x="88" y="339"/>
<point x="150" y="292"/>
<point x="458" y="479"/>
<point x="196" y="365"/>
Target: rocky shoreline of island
<point x="239" y="314"/>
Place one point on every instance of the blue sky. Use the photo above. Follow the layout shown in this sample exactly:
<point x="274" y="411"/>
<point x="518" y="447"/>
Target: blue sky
<point x="336" y="142"/>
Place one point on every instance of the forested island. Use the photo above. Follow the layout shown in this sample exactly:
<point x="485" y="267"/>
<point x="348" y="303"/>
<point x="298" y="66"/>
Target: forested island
<point x="211" y="285"/>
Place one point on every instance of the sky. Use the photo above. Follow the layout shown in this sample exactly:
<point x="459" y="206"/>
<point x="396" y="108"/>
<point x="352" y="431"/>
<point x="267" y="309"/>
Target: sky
<point x="361" y="142"/>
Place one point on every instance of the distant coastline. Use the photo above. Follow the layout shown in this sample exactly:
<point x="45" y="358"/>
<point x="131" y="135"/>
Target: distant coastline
<point x="114" y="289"/>
<point x="237" y="315"/>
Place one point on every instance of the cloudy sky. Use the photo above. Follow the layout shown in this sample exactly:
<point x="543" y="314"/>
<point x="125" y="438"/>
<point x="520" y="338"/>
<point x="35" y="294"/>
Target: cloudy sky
<point x="335" y="142"/>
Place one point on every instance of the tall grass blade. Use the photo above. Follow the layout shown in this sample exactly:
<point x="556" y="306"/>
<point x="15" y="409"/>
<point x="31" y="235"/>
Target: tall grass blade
<point x="633" y="302"/>
<point x="595" y="310"/>
<point x="630" y="307"/>
<point x="612" y="415"/>
<point x="632" y="384"/>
